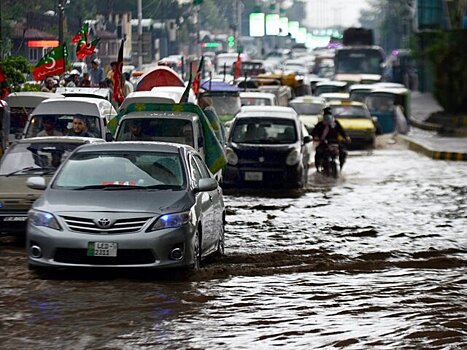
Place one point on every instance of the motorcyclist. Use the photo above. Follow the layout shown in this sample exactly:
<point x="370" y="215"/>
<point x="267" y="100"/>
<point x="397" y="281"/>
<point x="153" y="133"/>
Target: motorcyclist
<point x="326" y="132"/>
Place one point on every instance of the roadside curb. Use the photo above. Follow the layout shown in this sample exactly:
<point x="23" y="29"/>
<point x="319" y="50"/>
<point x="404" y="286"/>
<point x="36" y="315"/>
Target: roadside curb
<point x="457" y="132"/>
<point x="434" y="154"/>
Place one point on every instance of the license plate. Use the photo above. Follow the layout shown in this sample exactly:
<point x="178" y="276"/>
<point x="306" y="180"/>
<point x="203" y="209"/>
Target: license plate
<point x="253" y="176"/>
<point x="102" y="249"/>
<point x="15" y="218"/>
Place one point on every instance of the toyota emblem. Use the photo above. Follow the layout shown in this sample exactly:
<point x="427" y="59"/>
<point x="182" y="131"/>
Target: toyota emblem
<point x="261" y="159"/>
<point x="104" y="223"/>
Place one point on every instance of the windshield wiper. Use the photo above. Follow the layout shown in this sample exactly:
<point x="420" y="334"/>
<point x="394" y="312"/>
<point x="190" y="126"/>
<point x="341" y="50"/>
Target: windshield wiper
<point x="107" y="186"/>
<point x="163" y="187"/>
<point x="44" y="171"/>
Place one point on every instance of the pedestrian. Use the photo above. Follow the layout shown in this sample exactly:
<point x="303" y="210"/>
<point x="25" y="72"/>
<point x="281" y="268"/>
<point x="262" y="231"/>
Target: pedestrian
<point x="96" y="73"/>
<point x="85" y="81"/>
<point x="128" y="87"/>
<point x="49" y="85"/>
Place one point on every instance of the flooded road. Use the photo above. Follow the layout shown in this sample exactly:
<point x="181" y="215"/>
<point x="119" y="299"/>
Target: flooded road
<point x="374" y="259"/>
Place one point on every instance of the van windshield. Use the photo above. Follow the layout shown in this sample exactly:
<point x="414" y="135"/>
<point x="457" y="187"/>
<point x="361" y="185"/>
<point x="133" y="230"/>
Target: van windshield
<point x="157" y="129"/>
<point x="64" y="125"/>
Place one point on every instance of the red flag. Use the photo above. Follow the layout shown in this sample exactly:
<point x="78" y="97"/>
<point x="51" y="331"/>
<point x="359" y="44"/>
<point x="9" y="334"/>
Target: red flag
<point x="83" y="30"/>
<point x="238" y="66"/>
<point x="54" y="62"/>
<point x="4" y="91"/>
<point x="118" y="77"/>
<point x="197" y="81"/>
<point x="84" y="48"/>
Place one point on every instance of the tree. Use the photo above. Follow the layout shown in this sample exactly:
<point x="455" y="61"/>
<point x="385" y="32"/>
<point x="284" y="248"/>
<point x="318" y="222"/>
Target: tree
<point x="15" y="69"/>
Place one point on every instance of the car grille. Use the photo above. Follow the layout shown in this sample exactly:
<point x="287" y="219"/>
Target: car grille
<point x="124" y="257"/>
<point x="86" y="225"/>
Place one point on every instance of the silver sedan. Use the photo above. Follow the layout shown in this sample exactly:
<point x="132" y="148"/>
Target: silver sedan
<point x="127" y="204"/>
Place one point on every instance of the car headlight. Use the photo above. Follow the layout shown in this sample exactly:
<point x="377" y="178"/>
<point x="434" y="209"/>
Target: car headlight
<point x="231" y="156"/>
<point x="293" y="157"/>
<point x="173" y="220"/>
<point x="43" y="218"/>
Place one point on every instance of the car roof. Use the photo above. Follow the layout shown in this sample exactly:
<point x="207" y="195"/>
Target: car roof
<point x="135" y="146"/>
<point x="308" y="99"/>
<point x="332" y="82"/>
<point x="60" y="139"/>
<point x="257" y="94"/>
<point x="69" y="105"/>
<point x="267" y="111"/>
<point x="159" y="114"/>
<point x="29" y="99"/>
<point x="345" y="103"/>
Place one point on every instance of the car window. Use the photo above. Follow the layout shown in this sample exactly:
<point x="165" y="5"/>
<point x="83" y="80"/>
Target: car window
<point x="203" y="170"/>
<point x="121" y="168"/>
<point x="350" y="111"/>
<point x="307" y="108"/>
<point x="62" y="125"/>
<point x="46" y="156"/>
<point x="264" y="130"/>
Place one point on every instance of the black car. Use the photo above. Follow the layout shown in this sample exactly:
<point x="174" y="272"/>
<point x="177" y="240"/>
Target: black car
<point x="267" y="146"/>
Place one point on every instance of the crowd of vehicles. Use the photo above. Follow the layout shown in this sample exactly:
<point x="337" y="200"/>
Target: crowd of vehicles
<point x="75" y="145"/>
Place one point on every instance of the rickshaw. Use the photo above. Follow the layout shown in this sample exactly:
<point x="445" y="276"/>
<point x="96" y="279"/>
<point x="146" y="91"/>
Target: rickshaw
<point x="358" y="92"/>
<point x="383" y="103"/>
<point x="225" y="98"/>
<point x="4" y="126"/>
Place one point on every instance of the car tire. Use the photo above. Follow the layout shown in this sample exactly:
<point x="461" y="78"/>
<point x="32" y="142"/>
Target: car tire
<point x="221" y="244"/>
<point x="196" y="253"/>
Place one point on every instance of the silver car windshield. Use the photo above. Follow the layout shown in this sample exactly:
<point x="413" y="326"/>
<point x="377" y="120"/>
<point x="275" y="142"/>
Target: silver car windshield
<point x="27" y="158"/>
<point x="116" y="169"/>
<point x="264" y="131"/>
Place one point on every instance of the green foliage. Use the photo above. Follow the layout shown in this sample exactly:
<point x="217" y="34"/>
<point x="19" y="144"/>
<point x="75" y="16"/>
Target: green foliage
<point x="15" y="69"/>
<point x="448" y="53"/>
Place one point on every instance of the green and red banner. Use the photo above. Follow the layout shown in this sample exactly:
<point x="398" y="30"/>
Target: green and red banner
<point x="83" y="30"/>
<point x="197" y="81"/>
<point x="84" y="48"/>
<point x="53" y="63"/>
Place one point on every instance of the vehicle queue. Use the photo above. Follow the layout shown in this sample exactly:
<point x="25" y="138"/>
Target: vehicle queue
<point x="159" y="204"/>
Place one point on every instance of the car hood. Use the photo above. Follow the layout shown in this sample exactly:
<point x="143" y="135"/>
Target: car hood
<point x="141" y="201"/>
<point x="356" y="123"/>
<point x="15" y="195"/>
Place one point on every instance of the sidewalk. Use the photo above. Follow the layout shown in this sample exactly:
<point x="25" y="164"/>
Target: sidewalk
<point x="424" y="135"/>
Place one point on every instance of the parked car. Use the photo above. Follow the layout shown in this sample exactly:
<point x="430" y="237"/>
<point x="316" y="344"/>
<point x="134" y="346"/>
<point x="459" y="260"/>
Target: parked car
<point x="25" y="157"/>
<point x="309" y="109"/>
<point x="151" y="205"/>
<point x="356" y="120"/>
<point x="94" y="112"/>
<point x="267" y="146"/>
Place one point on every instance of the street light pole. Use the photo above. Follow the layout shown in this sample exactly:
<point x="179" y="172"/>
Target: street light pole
<point x="140" y="34"/>
<point x="61" y="10"/>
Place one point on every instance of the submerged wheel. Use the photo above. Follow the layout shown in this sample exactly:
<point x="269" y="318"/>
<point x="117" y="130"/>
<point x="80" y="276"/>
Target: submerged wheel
<point x="196" y="253"/>
<point x="334" y="172"/>
<point x="221" y="243"/>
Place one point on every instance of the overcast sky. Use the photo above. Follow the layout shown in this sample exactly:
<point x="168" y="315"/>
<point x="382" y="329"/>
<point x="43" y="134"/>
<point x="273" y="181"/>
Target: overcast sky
<point x="325" y="13"/>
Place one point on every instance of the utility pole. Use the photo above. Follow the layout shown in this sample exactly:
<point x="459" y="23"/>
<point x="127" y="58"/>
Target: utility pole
<point x="61" y="11"/>
<point x="140" y="34"/>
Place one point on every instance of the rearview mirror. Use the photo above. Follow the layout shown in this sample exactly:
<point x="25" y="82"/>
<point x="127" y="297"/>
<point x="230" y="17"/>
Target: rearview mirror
<point x="36" y="183"/>
<point x="207" y="184"/>
<point x="307" y="139"/>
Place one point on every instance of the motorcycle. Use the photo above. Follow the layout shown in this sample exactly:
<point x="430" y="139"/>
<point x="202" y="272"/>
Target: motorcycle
<point x="327" y="159"/>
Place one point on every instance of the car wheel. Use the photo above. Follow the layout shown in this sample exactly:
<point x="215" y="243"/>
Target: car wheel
<point x="221" y="244"/>
<point x="196" y="253"/>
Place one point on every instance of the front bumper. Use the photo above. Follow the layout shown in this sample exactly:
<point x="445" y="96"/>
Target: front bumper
<point x="136" y="249"/>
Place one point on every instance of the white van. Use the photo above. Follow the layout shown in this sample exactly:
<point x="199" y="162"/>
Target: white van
<point x="95" y="112"/>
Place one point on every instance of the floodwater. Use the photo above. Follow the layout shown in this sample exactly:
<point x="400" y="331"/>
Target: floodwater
<point x="373" y="260"/>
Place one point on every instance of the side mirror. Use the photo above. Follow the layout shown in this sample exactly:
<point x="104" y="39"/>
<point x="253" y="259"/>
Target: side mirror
<point x="307" y="139"/>
<point x="36" y="183"/>
<point x="200" y="141"/>
<point x="207" y="184"/>
<point x="108" y="137"/>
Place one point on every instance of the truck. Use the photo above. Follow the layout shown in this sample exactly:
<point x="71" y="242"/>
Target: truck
<point x="358" y="61"/>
